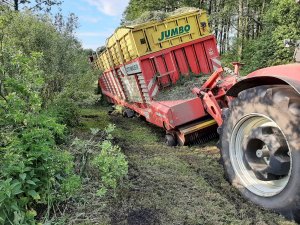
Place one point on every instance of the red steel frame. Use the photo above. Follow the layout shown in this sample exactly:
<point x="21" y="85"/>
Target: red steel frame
<point x="164" y="68"/>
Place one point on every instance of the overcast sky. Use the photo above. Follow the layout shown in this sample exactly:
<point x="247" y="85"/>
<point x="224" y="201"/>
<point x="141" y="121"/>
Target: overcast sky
<point x="97" y="18"/>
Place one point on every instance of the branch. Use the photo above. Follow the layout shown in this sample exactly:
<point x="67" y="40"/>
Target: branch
<point x="255" y="20"/>
<point x="1" y="92"/>
<point x="48" y="3"/>
<point x="38" y="5"/>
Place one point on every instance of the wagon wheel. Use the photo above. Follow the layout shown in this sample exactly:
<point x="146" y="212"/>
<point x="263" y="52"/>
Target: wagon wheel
<point x="170" y="140"/>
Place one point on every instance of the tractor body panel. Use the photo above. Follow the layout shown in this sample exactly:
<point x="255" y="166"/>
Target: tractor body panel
<point x="283" y="74"/>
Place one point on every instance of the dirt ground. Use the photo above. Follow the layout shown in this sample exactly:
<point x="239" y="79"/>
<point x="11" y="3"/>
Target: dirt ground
<point x="181" y="185"/>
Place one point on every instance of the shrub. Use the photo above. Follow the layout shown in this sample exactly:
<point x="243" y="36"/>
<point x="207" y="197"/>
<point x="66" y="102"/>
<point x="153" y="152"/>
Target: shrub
<point x="112" y="165"/>
<point x="33" y="168"/>
<point x="65" y="110"/>
<point x="99" y="153"/>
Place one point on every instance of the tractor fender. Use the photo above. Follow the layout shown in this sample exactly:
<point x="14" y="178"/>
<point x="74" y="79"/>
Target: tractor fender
<point x="284" y="74"/>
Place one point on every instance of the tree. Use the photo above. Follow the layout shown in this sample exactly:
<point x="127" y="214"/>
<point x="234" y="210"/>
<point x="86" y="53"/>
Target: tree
<point x="36" y="4"/>
<point x="279" y="22"/>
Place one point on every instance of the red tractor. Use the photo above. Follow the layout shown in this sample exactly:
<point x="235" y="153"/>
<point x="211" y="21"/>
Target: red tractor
<point x="260" y="138"/>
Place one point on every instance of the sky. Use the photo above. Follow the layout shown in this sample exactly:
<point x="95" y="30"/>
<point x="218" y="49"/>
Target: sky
<point x="98" y="19"/>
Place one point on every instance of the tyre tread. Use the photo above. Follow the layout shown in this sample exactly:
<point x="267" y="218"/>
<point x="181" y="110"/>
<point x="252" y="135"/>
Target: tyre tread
<point x="280" y="96"/>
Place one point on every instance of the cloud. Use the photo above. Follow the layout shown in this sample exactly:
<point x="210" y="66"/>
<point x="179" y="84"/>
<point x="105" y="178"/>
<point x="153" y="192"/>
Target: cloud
<point x="109" y="7"/>
<point x="90" y="19"/>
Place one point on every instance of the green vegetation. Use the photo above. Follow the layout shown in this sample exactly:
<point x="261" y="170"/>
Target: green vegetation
<point x="34" y="170"/>
<point x="44" y="79"/>
<point x="112" y="166"/>
<point x="35" y="5"/>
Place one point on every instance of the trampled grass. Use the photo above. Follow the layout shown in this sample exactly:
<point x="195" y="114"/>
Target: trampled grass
<point x="181" y="185"/>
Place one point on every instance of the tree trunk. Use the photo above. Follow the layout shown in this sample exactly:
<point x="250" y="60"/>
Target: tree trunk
<point x="210" y="7"/>
<point x="16" y="5"/>
<point x="240" y="30"/>
<point x="227" y="36"/>
<point x="247" y="23"/>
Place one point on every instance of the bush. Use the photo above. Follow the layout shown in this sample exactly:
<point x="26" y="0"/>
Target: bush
<point x="65" y="110"/>
<point x="112" y="165"/>
<point x="34" y="170"/>
<point x="104" y="160"/>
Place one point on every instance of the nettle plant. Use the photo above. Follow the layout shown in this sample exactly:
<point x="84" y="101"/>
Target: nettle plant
<point x="100" y="155"/>
<point x="112" y="166"/>
<point x="34" y="171"/>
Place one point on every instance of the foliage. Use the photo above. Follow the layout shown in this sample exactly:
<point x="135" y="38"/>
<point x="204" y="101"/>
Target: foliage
<point x="36" y="5"/>
<point x="33" y="169"/>
<point x="39" y="64"/>
<point x="86" y="92"/>
<point x="64" y="62"/>
<point x="281" y="22"/>
<point x="99" y="152"/>
<point x="112" y="166"/>
<point x="65" y="110"/>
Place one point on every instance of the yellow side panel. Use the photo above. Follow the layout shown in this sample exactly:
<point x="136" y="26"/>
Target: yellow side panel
<point x="128" y="43"/>
<point x="171" y="32"/>
<point x="203" y="19"/>
<point x="98" y="64"/>
<point x="132" y="47"/>
<point x="104" y="60"/>
<point x="140" y="42"/>
<point x="124" y="49"/>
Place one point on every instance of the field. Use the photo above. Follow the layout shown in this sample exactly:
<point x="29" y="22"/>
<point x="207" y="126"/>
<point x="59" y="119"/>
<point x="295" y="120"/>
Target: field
<point x="165" y="185"/>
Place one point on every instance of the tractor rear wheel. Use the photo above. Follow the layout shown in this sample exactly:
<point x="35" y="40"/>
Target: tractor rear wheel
<point x="260" y="147"/>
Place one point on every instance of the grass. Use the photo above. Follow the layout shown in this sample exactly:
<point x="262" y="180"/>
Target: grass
<point x="182" y="185"/>
<point x="94" y="118"/>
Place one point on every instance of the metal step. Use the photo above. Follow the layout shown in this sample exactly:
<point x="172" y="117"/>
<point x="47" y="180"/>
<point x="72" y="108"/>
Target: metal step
<point x="191" y="128"/>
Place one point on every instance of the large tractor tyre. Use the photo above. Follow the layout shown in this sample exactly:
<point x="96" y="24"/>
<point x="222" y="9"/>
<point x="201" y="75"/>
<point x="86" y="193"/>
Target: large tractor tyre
<point x="260" y="147"/>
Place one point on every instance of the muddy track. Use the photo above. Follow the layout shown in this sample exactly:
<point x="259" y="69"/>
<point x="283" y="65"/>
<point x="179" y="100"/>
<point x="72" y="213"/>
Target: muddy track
<point x="183" y="179"/>
<point x="216" y="182"/>
<point x="181" y="185"/>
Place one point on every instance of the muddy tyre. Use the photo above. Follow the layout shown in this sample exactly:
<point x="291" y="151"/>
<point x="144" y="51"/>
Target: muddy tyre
<point x="170" y="140"/>
<point x="128" y="113"/>
<point x="260" y="147"/>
